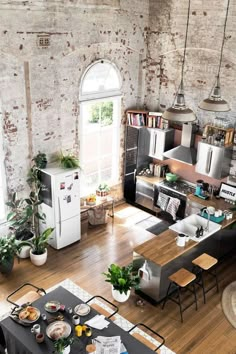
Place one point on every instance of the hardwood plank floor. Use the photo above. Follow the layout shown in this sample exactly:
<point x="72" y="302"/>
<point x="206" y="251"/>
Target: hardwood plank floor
<point x="203" y="331"/>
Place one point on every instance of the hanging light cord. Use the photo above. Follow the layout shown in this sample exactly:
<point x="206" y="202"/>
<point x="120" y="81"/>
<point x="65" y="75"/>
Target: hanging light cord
<point x="185" y="43"/>
<point x="223" y="42"/>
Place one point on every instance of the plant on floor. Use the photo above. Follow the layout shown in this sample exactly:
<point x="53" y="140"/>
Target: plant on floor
<point x="8" y="250"/>
<point x="123" y="278"/>
<point x="61" y="343"/>
<point x="68" y="161"/>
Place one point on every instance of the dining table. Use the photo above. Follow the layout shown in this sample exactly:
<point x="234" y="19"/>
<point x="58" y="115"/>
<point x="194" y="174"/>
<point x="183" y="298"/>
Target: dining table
<point x="20" y="340"/>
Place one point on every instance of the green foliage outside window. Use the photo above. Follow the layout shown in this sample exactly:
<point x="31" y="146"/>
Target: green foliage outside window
<point x="106" y="111"/>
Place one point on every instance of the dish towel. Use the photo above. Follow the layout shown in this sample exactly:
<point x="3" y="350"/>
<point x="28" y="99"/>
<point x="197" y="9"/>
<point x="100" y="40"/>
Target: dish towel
<point x="173" y="207"/>
<point x="163" y="200"/>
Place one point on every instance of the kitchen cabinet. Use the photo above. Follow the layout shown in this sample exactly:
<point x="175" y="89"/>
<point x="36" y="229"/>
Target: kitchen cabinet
<point x="160" y="141"/>
<point x="213" y="161"/>
<point x="145" y="194"/>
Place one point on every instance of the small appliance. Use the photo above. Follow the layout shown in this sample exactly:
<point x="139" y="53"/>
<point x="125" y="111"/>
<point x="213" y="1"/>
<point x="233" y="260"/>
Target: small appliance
<point x="201" y="189"/>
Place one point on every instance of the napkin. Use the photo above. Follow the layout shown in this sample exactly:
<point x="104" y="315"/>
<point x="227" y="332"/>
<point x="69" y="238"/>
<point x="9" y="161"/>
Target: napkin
<point x="98" y="322"/>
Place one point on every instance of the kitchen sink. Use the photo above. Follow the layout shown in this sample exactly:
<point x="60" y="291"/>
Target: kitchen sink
<point x="192" y="223"/>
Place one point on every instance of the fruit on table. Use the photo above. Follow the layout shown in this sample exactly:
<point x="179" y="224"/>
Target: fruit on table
<point x="91" y="198"/>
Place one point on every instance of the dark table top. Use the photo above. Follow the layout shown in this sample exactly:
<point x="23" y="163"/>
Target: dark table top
<point x="20" y="340"/>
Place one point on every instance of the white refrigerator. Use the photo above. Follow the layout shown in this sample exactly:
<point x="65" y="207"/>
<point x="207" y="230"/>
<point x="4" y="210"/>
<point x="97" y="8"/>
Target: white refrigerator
<point x="60" y="193"/>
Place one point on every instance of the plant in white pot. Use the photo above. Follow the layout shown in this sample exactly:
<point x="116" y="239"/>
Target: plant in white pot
<point x="62" y="345"/>
<point x="122" y="280"/>
<point x="8" y="250"/>
<point x="102" y="191"/>
<point x="39" y="243"/>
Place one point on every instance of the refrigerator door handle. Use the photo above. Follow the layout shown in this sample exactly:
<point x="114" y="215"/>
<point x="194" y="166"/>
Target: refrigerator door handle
<point x="135" y="175"/>
<point x="155" y="143"/>
<point x="59" y="210"/>
<point x="209" y="159"/>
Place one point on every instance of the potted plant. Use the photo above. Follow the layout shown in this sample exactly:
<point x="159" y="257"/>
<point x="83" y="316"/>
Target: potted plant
<point x="40" y="160"/>
<point x="123" y="280"/>
<point x="62" y="345"/>
<point x="68" y="161"/>
<point x="8" y="250"/>
<point x="39" y="243"/>
<point x="102" y="191"/>
<point x="19" y="218"/>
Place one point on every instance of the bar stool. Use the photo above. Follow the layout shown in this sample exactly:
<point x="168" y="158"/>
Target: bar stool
<point x="182" y="279"/>
<point x="205" y="264"/>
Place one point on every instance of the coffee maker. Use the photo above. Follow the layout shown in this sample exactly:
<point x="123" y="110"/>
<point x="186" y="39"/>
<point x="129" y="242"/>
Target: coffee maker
<point x="202" y="189"/>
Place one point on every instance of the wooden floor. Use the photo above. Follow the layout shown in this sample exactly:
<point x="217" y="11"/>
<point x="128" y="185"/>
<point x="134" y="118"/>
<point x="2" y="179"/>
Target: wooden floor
<point x="203" y="332"/>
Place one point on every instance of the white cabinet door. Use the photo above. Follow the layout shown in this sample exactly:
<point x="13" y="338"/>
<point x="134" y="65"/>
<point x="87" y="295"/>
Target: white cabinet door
<point x="157" y="143"/>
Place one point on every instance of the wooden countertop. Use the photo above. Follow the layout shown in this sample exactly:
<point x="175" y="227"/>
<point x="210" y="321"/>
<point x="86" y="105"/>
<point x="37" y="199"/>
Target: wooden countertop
<point x="216" y="203"/>
<point x="152" y="179"/>
<point x="162" y="249"/>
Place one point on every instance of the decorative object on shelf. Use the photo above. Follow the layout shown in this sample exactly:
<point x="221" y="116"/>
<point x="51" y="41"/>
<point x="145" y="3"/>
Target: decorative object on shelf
<point x="102" y="191"/>
<point x="8" y="250"/>
<point x="62" y="345"/>
<point x="215" y="102"/>
<point x="68" y="161"/>
<point x="40" y="160"/>
<point x="179" y="112"/>
<point x="122" y="280"/>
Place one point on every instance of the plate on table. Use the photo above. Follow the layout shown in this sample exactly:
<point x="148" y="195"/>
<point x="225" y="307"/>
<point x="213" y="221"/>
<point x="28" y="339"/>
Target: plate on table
<point x="82" y="309"/>
<point x="52" y="306"/>
<point x="58" y="329"/>
<point x="29" y="314"/>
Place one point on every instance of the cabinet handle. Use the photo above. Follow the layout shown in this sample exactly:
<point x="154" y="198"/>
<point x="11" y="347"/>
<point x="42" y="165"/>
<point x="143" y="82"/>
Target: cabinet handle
<point x="155" y="143"/>
<point x="208" y="162"/>
<point x="135" y="171"/>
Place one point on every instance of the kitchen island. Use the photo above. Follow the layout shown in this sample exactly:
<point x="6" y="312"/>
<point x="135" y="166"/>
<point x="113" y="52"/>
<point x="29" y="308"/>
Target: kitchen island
<point x="163" y="257"/>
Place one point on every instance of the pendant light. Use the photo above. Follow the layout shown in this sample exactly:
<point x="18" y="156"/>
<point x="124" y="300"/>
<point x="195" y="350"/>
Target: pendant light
<point x="215" y="102"/>
<point x="179" y="112"/>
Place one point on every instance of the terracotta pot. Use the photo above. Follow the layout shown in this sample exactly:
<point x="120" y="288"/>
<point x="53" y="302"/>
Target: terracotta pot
<point x="7" y="266"/>
<point x="120" y="297"/>
<point x="102" y="195"/>
<point x="38" y="259"/>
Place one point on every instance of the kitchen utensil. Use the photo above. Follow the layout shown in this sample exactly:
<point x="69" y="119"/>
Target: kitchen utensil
<point x="82" y="309"/>
<point x="52" y="306"/>
<point x="180" y="240"/>
<point x="29" y="314"/>
<point x="36" y="329"/>
<point x="171" y="177"/>
<point x="58" y="329"/>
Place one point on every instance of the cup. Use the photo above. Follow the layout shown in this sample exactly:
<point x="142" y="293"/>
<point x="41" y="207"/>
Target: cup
<point x="39" y="337"/>
<point x="151" y="168"/>
<point x="211" y="210"/>
<point x="88" y="331"/>
<point x="78" y="330"/>
<point x="180" y="240"/>
<point x="75" y="319"/>
<point x="35" y="329"/>
<point x="69" y="309"/>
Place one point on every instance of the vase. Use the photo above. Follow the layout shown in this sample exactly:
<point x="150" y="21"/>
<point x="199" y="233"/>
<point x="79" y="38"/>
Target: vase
<point x="66" y="350"/>
<point x="120" y="297"/>
<point x="38" y="259"/>
<point x="7" y="266"/>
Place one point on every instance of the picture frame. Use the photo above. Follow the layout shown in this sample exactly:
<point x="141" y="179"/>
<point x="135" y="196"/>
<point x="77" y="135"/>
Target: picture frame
<point x="227" y="191"/>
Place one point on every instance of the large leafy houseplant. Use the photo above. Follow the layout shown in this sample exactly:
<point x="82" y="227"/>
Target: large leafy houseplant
<point x="68" y="161"/>
<point x="122" y="278"/>
<point x="8" y="250"/>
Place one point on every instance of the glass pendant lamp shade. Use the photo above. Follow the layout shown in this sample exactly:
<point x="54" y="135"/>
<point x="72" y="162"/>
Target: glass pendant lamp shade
<point x="179" y="112"/>
<point x="215" y="102"/>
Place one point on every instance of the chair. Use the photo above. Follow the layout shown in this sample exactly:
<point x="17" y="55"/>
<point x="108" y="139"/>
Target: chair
<point x="28" y="297"/>
<point x="103" y="309"/>
<point x="182" y="279"/>
<point x="145" y="340"/>
<point x="204" y="264"/>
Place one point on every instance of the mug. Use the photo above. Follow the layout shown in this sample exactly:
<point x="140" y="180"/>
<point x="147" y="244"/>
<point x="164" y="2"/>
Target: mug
<point x="78" y="330"/>
<point x="211" y="210"/>
<point x="75" y="319"/>
<point x="180" y="240"/>
<point x="35" y="329"/>
<point x="39" y="337"/>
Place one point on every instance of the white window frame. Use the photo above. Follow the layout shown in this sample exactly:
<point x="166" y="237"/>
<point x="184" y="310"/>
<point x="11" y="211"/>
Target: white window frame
<point x="95" y="97"/>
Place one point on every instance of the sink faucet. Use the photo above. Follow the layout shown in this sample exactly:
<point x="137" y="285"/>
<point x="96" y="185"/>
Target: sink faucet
<point x="208" y="219"/>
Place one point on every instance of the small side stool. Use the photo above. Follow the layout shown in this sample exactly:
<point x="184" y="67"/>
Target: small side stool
<point x="182" y="279"/>
<point x="201" y="264"/>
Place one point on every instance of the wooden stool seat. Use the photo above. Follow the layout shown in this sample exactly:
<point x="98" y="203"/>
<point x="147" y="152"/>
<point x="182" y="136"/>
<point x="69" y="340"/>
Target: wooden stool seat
<point x="182" y="277"/>
<point x="201" y="265"/>
<point x="205" y="261"/>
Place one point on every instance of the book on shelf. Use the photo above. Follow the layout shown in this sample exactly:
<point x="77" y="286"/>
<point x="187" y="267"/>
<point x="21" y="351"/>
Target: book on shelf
<point x="136" y="119"/>
<point x="155" y="120"/>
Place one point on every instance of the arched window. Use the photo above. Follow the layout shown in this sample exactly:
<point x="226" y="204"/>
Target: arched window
<point x="100" y="99"/>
